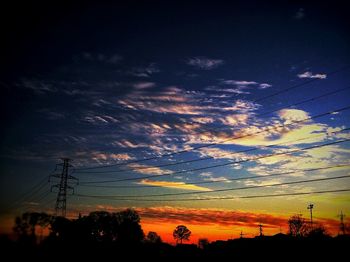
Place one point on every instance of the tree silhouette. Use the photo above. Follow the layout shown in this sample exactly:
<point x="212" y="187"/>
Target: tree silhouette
<point x="181" y="232"/>
<point x="318" y="232"/>
<point x="153" y="237"/>
<point x="60" y="227"/>
<point x="103" y="226"/>
<point x="25" y="226"/>
<point x="298" y="227"/>
<point x="129" y="229"/>
<point x="203" y="243"/>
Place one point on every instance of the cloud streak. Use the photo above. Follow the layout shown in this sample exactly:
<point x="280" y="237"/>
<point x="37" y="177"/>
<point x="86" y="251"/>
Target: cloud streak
<point x="147" y="169"/>
<point x="210" y="217"/>
<point x="176" y="185"/>
<point x="308" y="74"/>
<point x="205" y="63"/>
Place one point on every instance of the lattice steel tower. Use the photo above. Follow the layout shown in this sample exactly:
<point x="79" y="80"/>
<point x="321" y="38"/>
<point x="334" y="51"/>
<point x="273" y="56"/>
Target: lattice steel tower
<point x="63" y="186"/>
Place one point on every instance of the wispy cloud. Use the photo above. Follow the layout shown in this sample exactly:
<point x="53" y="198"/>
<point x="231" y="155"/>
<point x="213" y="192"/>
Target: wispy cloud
<point x="264" y="86"/>
<point x="309" y="74"/>
<point x="177" y="185"/>
<point x="169" y="100"/>
<point x="98" y="156"/>
<point x="203" y="216"/>
<point x="203" y="120"/>
<point x="99" y="57"/>
<point x="144" y="71"/>
<point x="208" y="176"/>
<point x="235" y="120"/>
<point x="147" y="169"/>
<point x="204" y="63"/>
<point x="129" y="144"/>
<point x="52" y="115"/>
<point x="218" y="153"/>
<point x="38" y="86"/>
<point x="144" y="85"/>
<point x="240" y="86"/>
<point x="300" y="14"/>
<point x="100" y="119"/>
<point x="239" y="82"/>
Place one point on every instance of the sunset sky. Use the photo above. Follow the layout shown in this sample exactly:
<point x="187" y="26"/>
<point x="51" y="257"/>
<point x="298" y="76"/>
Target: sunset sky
<point x="183" y="110"/>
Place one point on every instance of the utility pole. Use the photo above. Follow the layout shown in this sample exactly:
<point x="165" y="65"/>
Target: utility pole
<point x="342" y="225"/>
<point x="310" y="207"/>
<point x="61" y="201"/>
<point x="261" y="230"/>
<point x="241" y="234"/>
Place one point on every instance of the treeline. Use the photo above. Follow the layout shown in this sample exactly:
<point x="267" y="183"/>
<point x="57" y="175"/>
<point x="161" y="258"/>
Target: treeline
<point x="102" y="235"/>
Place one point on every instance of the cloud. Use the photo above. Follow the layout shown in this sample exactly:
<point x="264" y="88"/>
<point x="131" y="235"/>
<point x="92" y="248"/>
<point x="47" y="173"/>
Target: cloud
<point x="218" y="153"/>
<point x="308" y="74"/>
<point x="144" y="85"/>
<point x="329" y="152"/>
<point x="239" y="82"/>
<point x="169" y="100"/>
<point x="203" y="120"/>
<point x="241" y="86"/>
<point x="264" y="86"/>
<point x="208" y="216"/>
<point x="129" y="144"/>
<point x="300" y="14"/>
<point x="110" y="59"/>
<point x="38" y="86"/>
<point x="98" y="156"/>
<point x="177" y="185"/>
<point x="277" y="133"/>
<point x="208" y="176"/>
<point x="249" y="183"/>
<point x="52" y="115"/>
<point x="147" y="169"/>
<point x="100" y="119"/>
<point x="234" y="120"/>
<point x="292" y="115"/>
<point x="205" y="63"/>
<point x="144" y="71"/>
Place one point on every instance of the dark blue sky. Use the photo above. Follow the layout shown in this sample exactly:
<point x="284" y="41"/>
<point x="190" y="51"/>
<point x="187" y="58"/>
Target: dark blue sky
<point x="103" y="83"/>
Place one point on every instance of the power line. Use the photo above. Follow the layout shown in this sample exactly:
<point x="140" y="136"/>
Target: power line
<point x="218" y="165"/>
<point x="28" y="195"/>
<point x="29" y="205"/>
<point x="211" y="157"/>
<point x="301" y="84"/>
<point x="224" y="198"/>
<point x="36" y="188"/>
<point x="234" y="138"/>
<point x="226" y="189"/>
<point x="226" y="179"/>
<point x="188" y="150"/>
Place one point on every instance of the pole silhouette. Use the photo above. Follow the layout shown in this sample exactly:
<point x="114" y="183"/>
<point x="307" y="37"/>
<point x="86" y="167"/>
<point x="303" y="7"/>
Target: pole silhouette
<point x="61" y="200"/>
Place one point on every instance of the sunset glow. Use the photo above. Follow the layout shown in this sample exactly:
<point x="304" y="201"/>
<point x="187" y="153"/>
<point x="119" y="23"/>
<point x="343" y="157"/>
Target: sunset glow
<point x="220" y="117"/>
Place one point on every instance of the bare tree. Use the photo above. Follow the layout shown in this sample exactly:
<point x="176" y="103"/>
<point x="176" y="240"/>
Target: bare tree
<point x="181" y="232"/>
<point x="298" y="227"/>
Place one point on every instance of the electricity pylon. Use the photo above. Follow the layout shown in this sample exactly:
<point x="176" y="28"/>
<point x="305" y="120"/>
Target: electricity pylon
<point x="342" y="225"/>
<point x="63" y="186"/>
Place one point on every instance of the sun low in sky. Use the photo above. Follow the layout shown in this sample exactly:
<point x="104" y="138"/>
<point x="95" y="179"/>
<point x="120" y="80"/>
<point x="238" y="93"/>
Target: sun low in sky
<point x="219" y="116"/>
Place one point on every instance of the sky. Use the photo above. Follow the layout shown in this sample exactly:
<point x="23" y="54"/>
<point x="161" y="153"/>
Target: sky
<point x="186" y="111"/>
